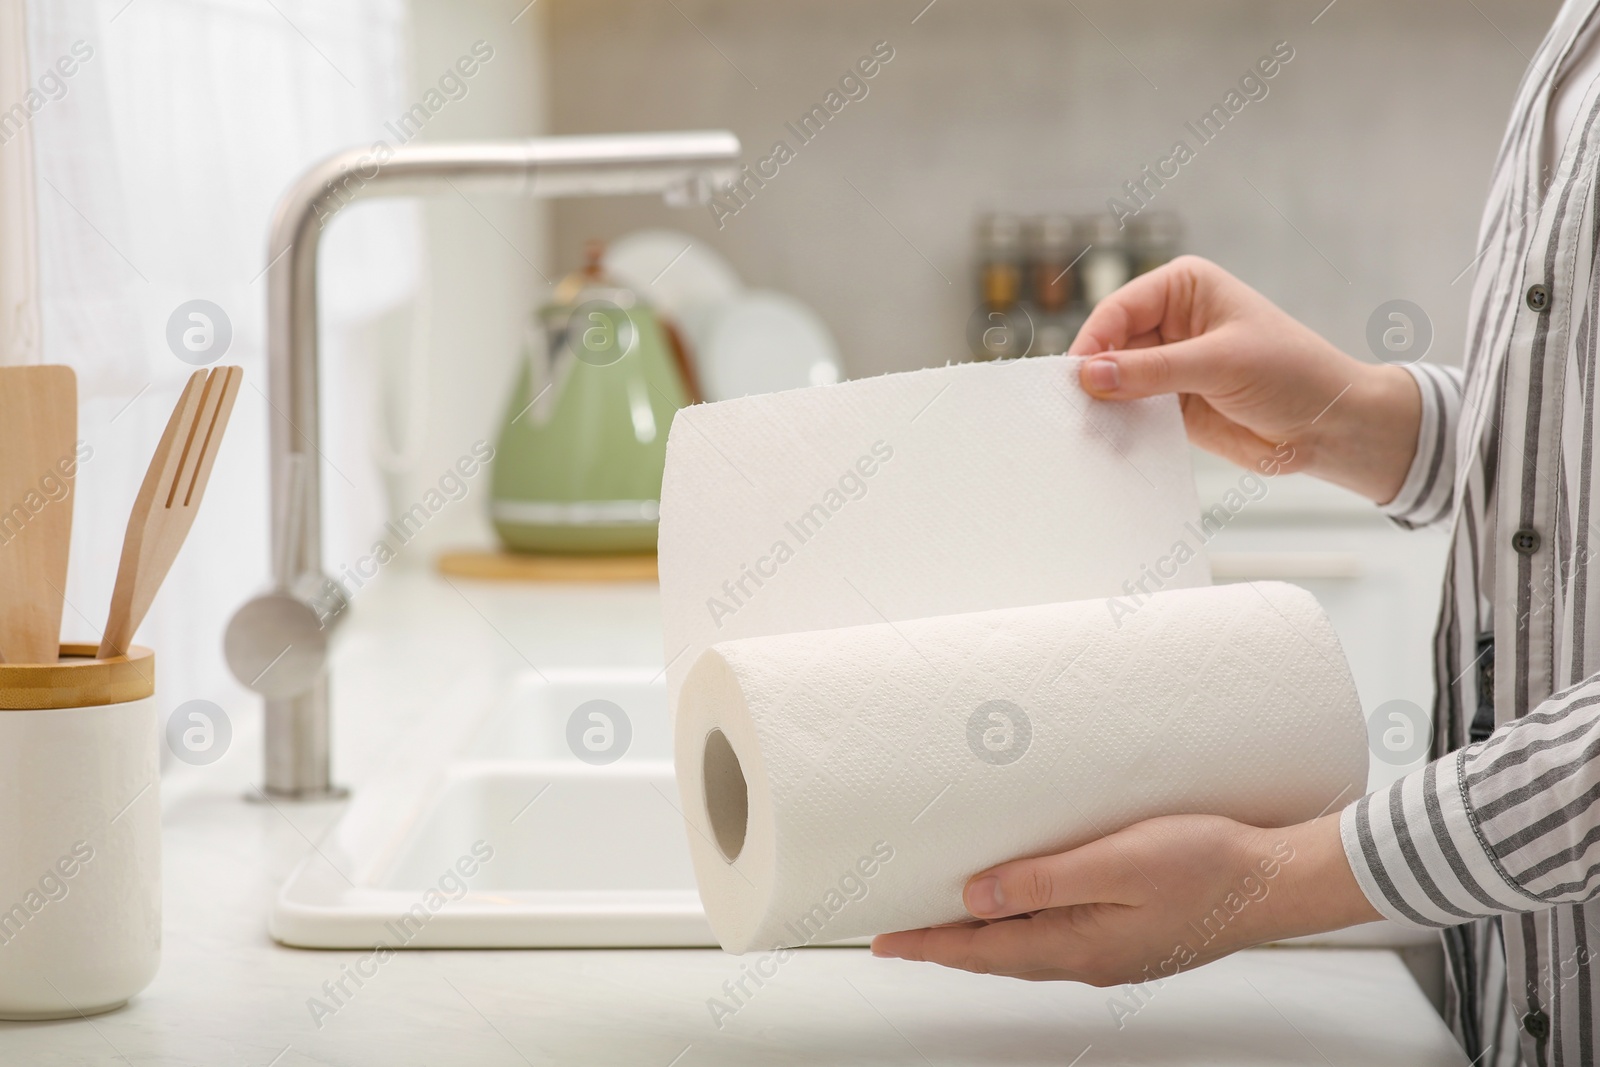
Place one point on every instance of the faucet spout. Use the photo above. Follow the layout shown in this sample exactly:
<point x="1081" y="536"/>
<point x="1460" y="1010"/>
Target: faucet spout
<point x="277" y="643"/>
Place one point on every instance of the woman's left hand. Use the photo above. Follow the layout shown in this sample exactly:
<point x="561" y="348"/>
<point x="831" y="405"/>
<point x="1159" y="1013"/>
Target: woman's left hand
<point x="1160" y="896"/>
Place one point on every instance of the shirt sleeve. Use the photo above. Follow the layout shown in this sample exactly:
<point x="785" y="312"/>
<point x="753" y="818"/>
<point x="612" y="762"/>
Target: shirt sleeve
<point x="1428" y="494"/>
<point x="1510" y="824"/>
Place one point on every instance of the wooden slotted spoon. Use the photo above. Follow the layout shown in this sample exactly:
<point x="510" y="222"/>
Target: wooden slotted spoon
<point x="168" y="500"/>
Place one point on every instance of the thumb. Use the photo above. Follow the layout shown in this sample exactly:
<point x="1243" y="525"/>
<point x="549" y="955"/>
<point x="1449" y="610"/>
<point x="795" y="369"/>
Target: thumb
<point x="1190" y="366"/>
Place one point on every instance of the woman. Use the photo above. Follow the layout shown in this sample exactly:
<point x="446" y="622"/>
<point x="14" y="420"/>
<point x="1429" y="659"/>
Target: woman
<point x="1498" y="840"/>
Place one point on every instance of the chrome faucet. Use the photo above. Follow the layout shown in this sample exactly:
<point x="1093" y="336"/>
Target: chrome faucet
<point x="277" y="643"/>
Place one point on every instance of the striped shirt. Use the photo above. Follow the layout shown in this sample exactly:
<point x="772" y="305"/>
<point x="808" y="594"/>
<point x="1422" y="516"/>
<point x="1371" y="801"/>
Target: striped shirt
<point x="1497" y="840"/>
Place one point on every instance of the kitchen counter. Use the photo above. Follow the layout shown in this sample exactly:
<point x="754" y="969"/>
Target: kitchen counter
<point x="226" y="994"/>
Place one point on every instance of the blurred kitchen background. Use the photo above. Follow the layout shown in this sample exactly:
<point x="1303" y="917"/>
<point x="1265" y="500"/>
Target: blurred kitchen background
<point x="1358" y="179"/>
<point x="1355" y="180"/>
<point x="1368" y="158"/>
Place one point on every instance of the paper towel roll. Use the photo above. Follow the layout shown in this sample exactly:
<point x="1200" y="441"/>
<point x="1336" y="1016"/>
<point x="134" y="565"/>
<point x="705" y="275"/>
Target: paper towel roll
<point x="933" y="492"/>
<point x="846" y="782"/>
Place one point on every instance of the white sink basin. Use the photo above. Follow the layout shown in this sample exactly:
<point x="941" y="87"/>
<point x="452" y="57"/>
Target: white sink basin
<point x="514" y="842"/>
<point x="582" y="855"/>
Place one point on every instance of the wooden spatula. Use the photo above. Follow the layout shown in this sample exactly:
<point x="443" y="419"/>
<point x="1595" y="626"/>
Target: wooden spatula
<point x="168" y="500"/>
<point x="38" y="446"/>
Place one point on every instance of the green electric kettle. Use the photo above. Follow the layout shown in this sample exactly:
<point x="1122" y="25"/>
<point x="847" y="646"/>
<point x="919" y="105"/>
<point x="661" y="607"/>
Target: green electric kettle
<point x="578" y="465"/>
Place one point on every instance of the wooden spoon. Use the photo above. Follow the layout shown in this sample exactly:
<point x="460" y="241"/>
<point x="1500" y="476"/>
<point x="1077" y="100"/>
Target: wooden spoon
<point x="38" y="458"/>
<point x="168" y="500"/>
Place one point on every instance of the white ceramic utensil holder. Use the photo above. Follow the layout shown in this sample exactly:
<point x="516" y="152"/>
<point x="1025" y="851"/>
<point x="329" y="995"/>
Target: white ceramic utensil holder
<point x="80" y="834"/>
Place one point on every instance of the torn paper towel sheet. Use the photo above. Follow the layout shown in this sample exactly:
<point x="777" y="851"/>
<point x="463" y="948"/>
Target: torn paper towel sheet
<point x="960" y="488"/>
<point x="847" y="782"/>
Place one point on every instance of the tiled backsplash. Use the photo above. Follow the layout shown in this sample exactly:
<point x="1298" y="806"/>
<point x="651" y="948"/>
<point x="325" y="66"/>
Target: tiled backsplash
<point x="1350" y="175"/>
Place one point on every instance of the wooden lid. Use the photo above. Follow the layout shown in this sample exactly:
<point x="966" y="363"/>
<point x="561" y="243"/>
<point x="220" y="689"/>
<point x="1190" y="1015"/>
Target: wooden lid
<point x="78" y="680"/>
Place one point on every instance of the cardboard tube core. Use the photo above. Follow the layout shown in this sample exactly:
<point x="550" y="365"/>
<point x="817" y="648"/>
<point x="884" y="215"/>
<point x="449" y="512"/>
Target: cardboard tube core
<point x="727" y="796"/>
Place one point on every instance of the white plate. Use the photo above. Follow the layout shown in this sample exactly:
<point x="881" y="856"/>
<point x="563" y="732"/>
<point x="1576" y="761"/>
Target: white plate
<point x="761" y="342"/>
<point x="672" y="271"/>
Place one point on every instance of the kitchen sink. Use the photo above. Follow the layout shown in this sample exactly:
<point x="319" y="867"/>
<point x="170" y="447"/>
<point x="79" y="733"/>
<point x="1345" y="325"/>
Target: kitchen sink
<point x="554" y="824"/>
<point x="517" y="829"/>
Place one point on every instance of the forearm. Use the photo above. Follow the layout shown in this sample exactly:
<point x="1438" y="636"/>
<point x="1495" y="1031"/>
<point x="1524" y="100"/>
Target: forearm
<point x="1366" y="439"/>
<point x="1315" y="889"/>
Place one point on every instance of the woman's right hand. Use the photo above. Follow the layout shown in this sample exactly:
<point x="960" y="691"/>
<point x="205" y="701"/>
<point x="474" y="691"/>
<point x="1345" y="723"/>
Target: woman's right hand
<point x="1256" y="386"/>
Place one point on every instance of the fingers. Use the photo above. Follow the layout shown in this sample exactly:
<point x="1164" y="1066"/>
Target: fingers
<point x="1134" y="312"/>
<point x="983" y="948"/>
<point x="907" y="944"/>
<point x="1153" y="335"/>
<point x="1096" y="873"/>
<point x="1192" y="366"/>
<point x="1016" y="948"/>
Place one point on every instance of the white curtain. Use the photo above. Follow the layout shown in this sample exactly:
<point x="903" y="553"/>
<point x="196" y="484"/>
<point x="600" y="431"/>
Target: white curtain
<point x="158" y="162"/>
<point x="19" y="219"/>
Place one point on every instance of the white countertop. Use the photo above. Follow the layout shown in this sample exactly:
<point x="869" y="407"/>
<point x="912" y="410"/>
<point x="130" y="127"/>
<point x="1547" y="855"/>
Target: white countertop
<point x="226" y="994"/>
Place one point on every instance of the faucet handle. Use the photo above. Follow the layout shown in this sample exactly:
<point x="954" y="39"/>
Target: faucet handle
<point x="277" y="643"/>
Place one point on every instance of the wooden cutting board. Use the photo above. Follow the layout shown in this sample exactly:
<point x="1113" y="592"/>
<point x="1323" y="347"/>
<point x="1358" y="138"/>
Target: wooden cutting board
<point x="529" y="567"/>
<point x="38" y="458"/>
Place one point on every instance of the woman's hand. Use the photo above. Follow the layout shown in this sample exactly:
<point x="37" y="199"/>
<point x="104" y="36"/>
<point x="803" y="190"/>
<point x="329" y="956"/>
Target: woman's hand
<point x="1161" y="896"/>
<point x="1256" y="386"/>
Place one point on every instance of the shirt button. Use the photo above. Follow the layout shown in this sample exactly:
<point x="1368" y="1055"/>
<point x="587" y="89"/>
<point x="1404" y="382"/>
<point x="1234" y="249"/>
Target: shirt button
<point x="1537" y="1024"/>
<point x="1539" y="298"/>
<point x="1526" y="542"/>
